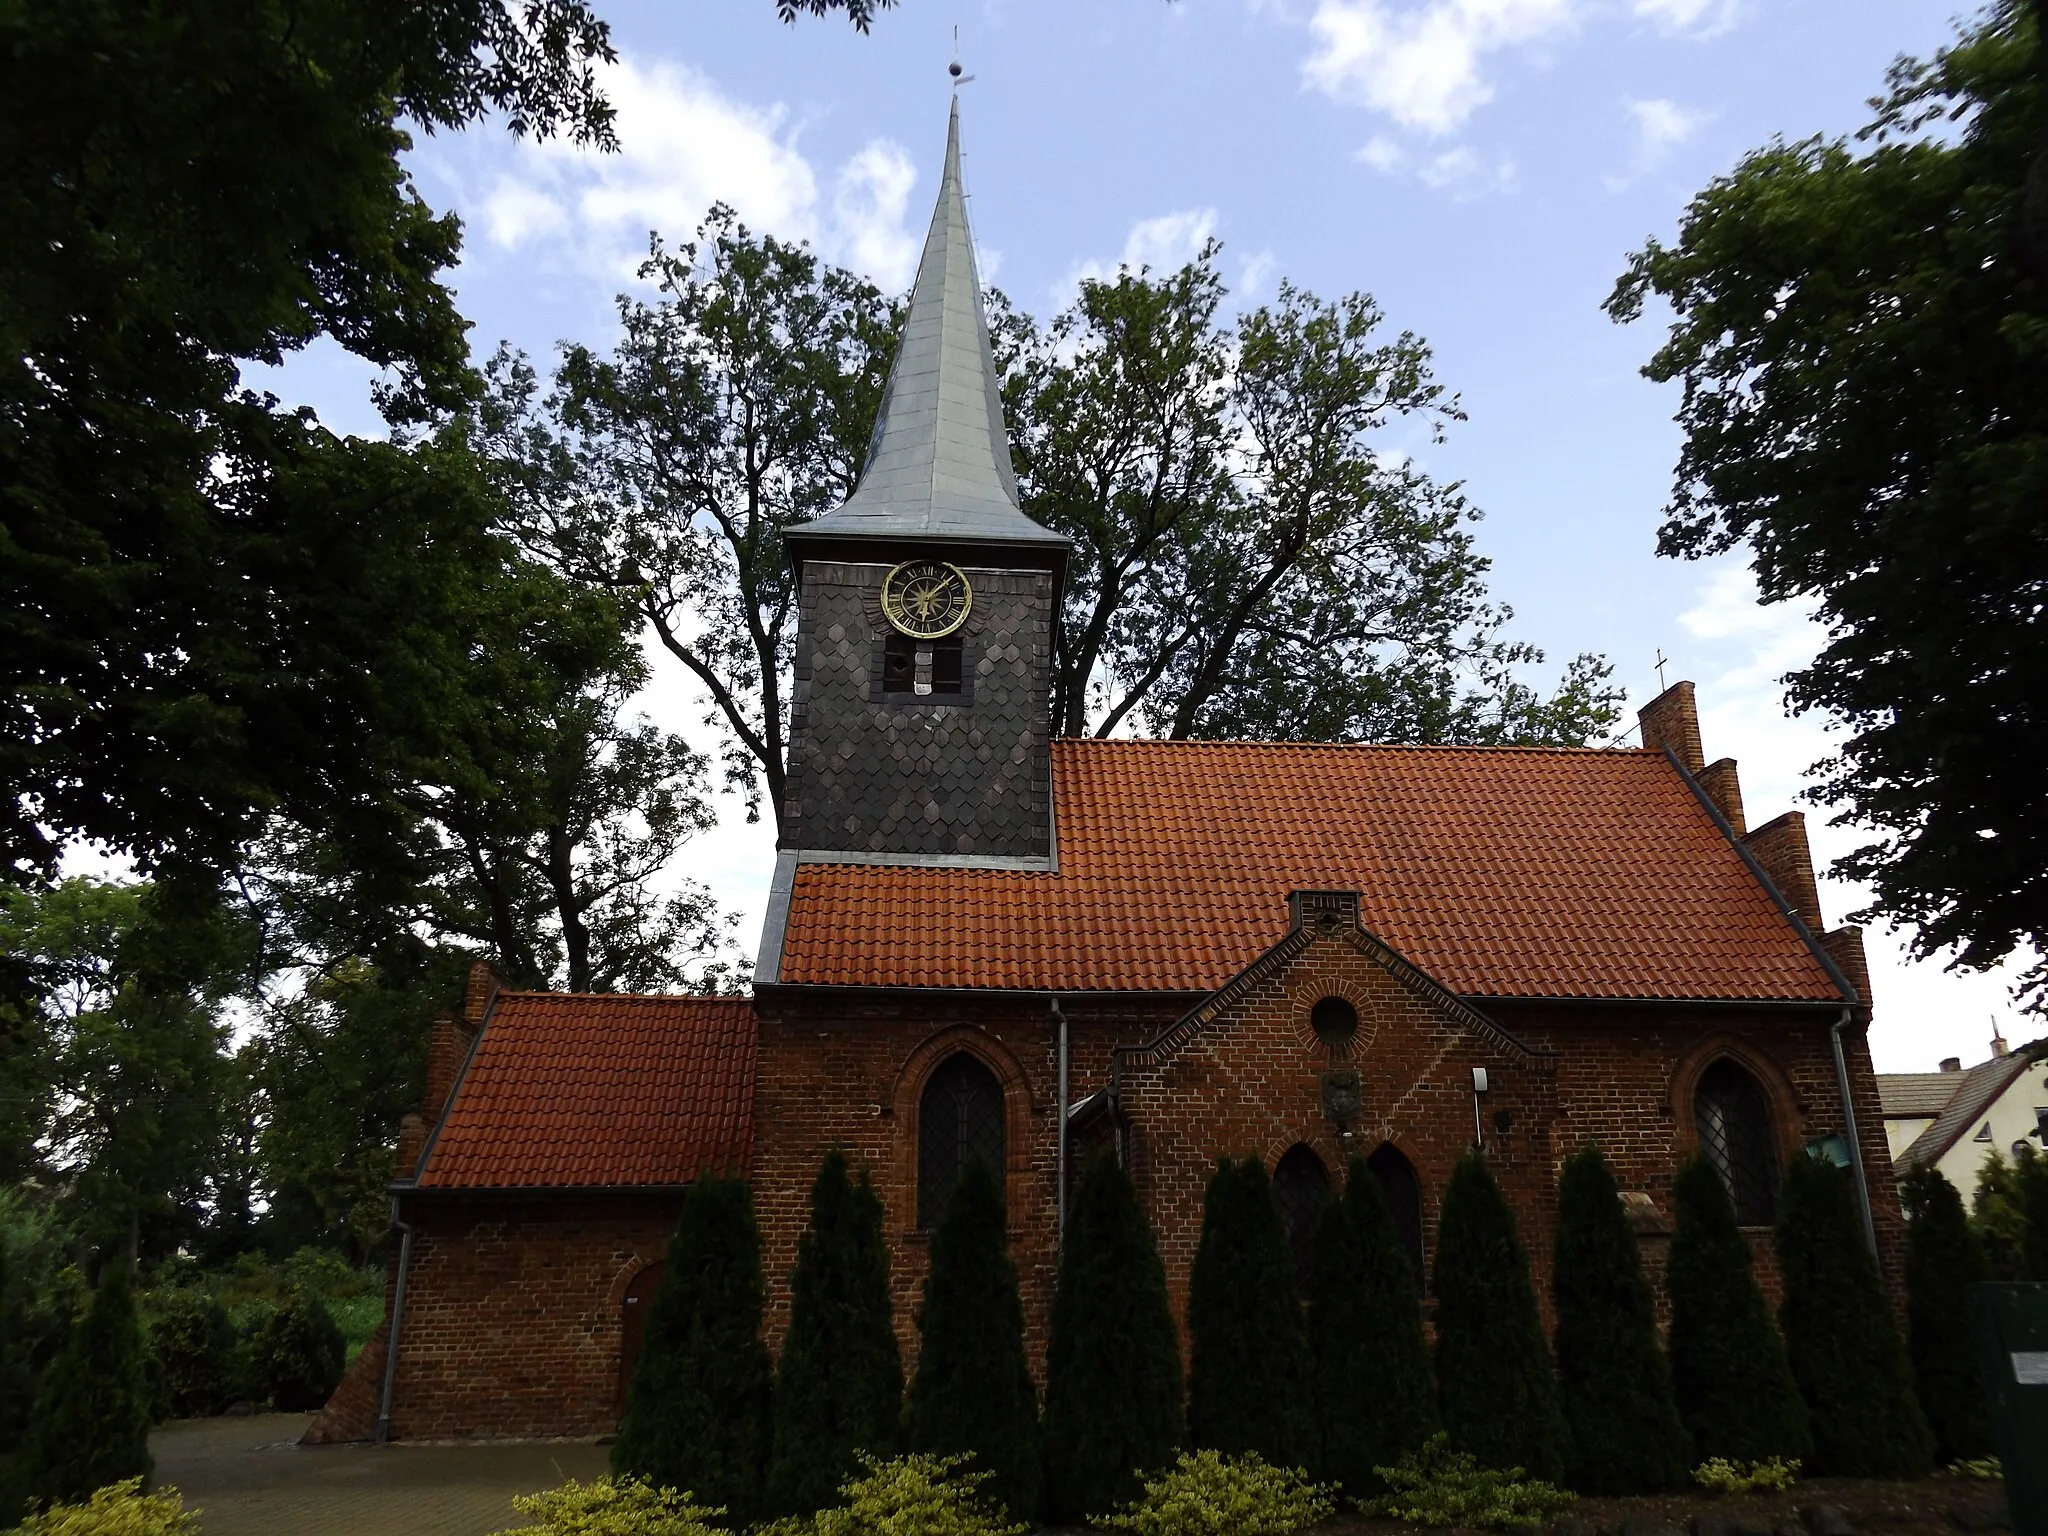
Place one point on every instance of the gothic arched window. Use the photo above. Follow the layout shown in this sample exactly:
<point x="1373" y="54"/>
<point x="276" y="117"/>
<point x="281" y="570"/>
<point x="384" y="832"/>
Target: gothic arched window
<point x="959" y="1118"/>
<point x="1404" y="1198"/>
<point x="1301" y="1188"/>
<point x="1733" y="1119"/>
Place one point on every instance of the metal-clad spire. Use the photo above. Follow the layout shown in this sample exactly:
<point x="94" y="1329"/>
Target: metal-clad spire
<point x="938" y="466"/>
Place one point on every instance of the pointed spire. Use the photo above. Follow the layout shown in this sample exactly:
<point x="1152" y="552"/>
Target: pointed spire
<point x="938" y="466"/>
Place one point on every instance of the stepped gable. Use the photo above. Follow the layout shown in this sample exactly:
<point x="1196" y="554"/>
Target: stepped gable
<point x="1502" y="872"/>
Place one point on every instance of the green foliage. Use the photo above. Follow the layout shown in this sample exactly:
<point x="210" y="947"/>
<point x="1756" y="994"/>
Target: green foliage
<point x="91" y="1424"/>
<point x="1862" y="333"/>
<point x="1248" y="1377"/>
<point x="972" y="1394"/>
<point x="1112" y="1367"/>
<point x="191" y="1354"/>
<point x="1437" y="1486"/>
<point x="1943" y="1259"/>
<point x="1773" y="1476"/>
<point x="909" y="1496"/>
<point x="2030" y="1184"/>
<point x="295" y="1355"/>
<point x="613" y="1506"/>
<point x="120" y="1509"/>
<point x="1998" y="1216"/>
<point x="1986" y="1467"/>
<point x="697" y="1413"/>
<point x="1207" y="1493"/>
<point x="1735" y="1390"/>
<point x="1844" y="1348"/>
<point x="1375" y="1399"/>
<point x="839" y="1383"/>
<point x="40" y="1295"/>
<point x="1495" y="1386"/>
<point x="1612" y="1376"/>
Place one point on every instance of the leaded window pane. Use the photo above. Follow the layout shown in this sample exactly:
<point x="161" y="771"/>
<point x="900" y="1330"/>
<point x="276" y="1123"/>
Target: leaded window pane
<point x="1734" y="1124"/>
<point x="959" y="1118"/>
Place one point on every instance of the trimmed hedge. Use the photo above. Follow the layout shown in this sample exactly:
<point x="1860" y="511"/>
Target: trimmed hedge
<point x="1943" y="1259"/>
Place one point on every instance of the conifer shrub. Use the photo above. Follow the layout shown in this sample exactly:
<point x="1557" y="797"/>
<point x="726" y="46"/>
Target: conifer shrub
<point x="909" y="1496"/>
<point x="1496" y="1390"/>
<point x="1435" y="1485"/>
<point x="697" y="1407"/>
<point x="1735" y="1390"/>
<point x="1112" y="1367"/>
<point x="2030" y="1192"/>
<point x="120" y="1509"/>
<point x="1248" y="1372"/>
<point x="1843" y="1346"/>
<point x="1375" y="1399"/>
<point x="613" y="1506"/>
<point x="1996" y="1216"/>
<point x="839" y="1383"/>
<point x="972" y="1394"/>
<point x="1943" y="1259"/>
<point x="1206" y="1493"/>
<point x="1612" y="1376"/>
<point x="191" y="1345"/>
<point x="294" y="1356"/>
<point x="90" y="1427"/>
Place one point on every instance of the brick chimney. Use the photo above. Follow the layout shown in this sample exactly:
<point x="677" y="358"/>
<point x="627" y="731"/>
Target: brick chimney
<point x="1844" y="946"/>
<point x="1721" y="786"/>
<point x="1779" y="845"/>
<point x="483" y="985"/>
<point x="1951" y="1063"/>
<point x="1672" y="719"/>
<point x="412" y="1141"/>
<point x="447" y="1048"/>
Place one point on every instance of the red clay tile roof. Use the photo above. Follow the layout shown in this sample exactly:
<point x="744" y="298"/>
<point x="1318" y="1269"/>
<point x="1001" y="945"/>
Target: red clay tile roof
<point x="1504" y="872"/>
<point x="567" y="1091"/>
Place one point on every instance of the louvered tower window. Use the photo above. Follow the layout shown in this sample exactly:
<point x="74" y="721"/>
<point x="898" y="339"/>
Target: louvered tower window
<point x="959" y="1118"/>
<point x="1734" y="1124"/>
<point x="1301" y="1187"/>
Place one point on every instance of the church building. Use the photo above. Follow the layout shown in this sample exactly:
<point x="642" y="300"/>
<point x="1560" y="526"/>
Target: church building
<point x="985" y="941"/>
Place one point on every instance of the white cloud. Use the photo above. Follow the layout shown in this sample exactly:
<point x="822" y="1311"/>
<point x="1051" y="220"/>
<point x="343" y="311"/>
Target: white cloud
<point x="1461" y="171"/>
<point x="1700" y="17"/>
<point x="1164" y="243"/>
<point x="683" y="145"/>
<point x="1257" y="271"/>
<point x="1381" y="153"/>
<point x="1661" y="124"/>
<point x="1421" y="65"/>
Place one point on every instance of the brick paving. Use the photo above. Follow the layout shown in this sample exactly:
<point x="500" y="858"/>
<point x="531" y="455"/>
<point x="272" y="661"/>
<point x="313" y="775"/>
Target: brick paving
<point x="250" y="1477"/>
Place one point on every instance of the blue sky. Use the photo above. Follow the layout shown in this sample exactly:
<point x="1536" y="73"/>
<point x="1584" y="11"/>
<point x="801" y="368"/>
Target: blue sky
<point x="1483" y="167"/>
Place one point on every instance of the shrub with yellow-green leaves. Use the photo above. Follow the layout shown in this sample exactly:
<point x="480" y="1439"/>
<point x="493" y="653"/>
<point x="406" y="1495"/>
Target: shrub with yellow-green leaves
<point x="906" y="1496"/>
<point x="119" y="1509"/>
<point x="613" y="1506"/>
<point x="1439" y="1486"/>
<point x="1722" y="1476"/>
<point x="1209" y="1494"/>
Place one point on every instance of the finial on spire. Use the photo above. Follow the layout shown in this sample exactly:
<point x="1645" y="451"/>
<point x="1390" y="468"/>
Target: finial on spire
<point x="953" y="68"/>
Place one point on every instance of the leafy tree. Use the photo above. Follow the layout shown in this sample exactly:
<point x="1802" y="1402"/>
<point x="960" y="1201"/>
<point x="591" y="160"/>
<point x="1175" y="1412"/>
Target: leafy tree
<point x="1735" y="1389"/>
<point x="1843" y="1345"/>
<point x="1943" y="1259"/>
<point x="1862" y="332"/>
<point x="1495" y="1385"/>
<point x="91" y="1423"/>
<point x="40" y="1294"/>
<point x="1611" y="1374"/>
<point x="1374" y="1397"/>
<point x="972" y="1391"/>
<point x="2030" y="1185"/>
<point x="295" y="1354"/>
<point x="839" y="1383"/>
<point x="1112" y="1367"/>
<point x="1998" y="1215"/>
<point x="697" y="1411"/>
<point x="191" y="1354"/>
<point x="1248" y="1375"/>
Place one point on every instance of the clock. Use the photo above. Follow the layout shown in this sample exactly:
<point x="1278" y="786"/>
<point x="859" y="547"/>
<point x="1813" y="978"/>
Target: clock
<point x="926" y="599"/>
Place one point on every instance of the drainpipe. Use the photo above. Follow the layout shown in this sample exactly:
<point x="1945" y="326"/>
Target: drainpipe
<point x="1060" y="1018"/>
<point x="404" y="1230"/>
<point x="1849" y="1127"/>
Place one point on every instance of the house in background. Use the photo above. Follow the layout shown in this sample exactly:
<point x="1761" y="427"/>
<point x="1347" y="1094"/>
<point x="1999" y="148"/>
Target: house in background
<point x="1955" y="1119"/>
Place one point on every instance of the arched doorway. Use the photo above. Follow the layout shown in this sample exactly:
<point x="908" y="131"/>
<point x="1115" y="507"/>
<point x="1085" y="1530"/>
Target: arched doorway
<point x="959" y="1118"/>
<point x="1733" y="1120"/>
<point x="1301" y="1188"/>
<point x="633" y="1327"/>
<point x="1404" y="1197"/>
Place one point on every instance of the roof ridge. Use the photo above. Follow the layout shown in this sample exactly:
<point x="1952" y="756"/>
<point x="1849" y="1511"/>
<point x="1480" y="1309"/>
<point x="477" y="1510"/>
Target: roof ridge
<point x="1503" y="748"/>
<point x="632" y="997"/>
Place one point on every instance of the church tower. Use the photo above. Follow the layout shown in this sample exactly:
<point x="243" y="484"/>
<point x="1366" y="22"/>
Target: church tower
<point x="921" y="707"/>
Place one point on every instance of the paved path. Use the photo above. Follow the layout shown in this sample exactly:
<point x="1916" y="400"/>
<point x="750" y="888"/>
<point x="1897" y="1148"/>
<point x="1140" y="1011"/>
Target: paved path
<point x="249" y="1477"/>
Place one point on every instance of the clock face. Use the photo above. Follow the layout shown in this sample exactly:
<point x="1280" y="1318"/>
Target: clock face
<point x="926" y="598"/>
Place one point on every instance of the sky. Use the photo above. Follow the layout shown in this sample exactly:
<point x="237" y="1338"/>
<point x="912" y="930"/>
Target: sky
<point x="1482" y="167"/>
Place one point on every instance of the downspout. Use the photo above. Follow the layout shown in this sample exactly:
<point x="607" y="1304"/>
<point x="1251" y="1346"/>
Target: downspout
<point x="1849" y="1125"/>
<point x="382" y="1433"/>
<point x="1060" y="1018"/>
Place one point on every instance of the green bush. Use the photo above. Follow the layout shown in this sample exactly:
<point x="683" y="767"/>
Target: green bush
<point x="1997" y="1219"/>
<point x="120" y="1509"/>
<point x="1495" y="1385"/>
<point x="1112" y="1367"/>
<point x="910" y="1496"/>
<point x="293" y="1358"/>
<point x="1208" y="1494"/>
<point x="2030" y="1188"/>
<point x="1943" y="1259"/>
<point x="972" y="1394"/>
<point x="839" y="1383"/>
<point x="40" y="1295"/>
<point x="1248" y="1375"/>
<point x="1616" y="1386"/>
<point x="91" y="1424"/>
<point x="1439" y="1486"/>
<point x="697" y="1409"/>
<point x="1735" y="1390"/>
<point x="612" y="1506"/>
<point x="1719" y="1476"/>
<point x="1840" y="1338"/>
<point x="191" y="1354"/>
